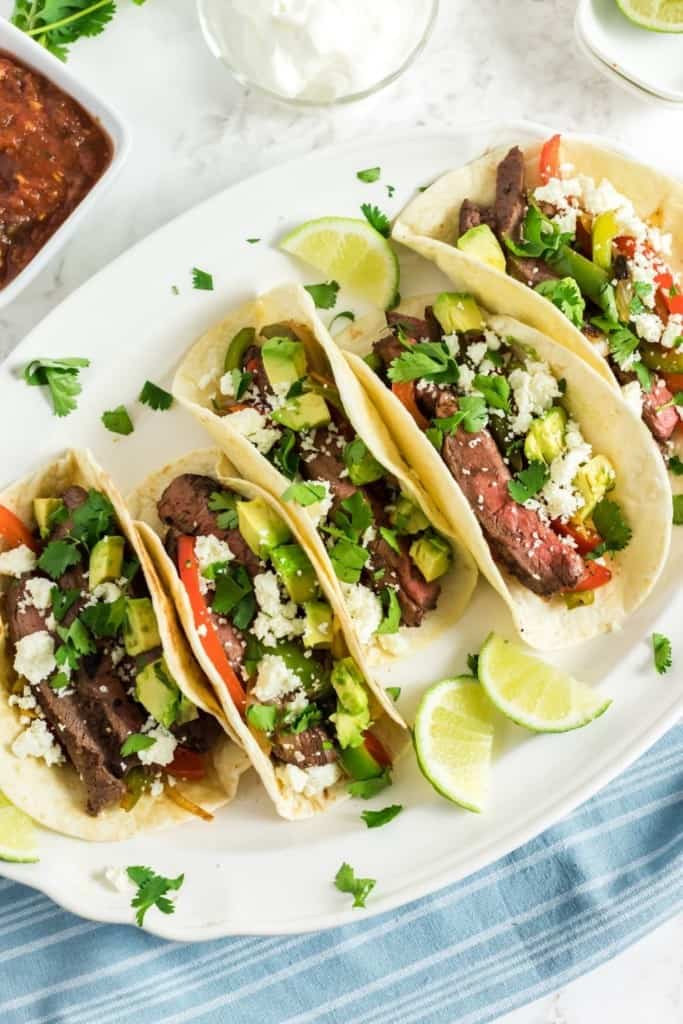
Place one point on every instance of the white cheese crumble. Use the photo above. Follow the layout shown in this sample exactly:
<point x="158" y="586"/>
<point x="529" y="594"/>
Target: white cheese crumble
<point x="309" y="781"/>
<point x="648" y="327"/>
<point x="250" y="423"/>
<point x="558" y="191"/>
<point x="364" y="608"/>
<point x="38" y="741"/>
<point x="39" y="592"/>
<point x="162" y="751"/>
<point x="320" y="510"/>
<point x="393" y="643"/>
<point x="633" y="396"/>
<point x="107" y="592"/>
<point x="559" y="495"/>
<point x="209" y="549"/>
<point x="275" y="679"/>
<point x="476" y="352"/>
<point x="277" y="618"/>
<point x="17" y="561"/>
<point x="466" y="377"/>
<point x="673" y="331"/>
<point x="534" y="389"/>
<point x="157" y="787"/>
<point x="34" y="657"/>
<point x="226" y="385"/>
<point x="27" y="702"/>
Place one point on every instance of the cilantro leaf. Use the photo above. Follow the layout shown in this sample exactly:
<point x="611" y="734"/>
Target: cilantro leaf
<point x="304" y="493"/>
<point x="471" y="414"/>
<point x="494" y="388"/>
<point x="155" y="397"/>
<point x="375" y="819"/>
<point x="369" y="175"/>
<point x="528" y="482"/>
<point x="378" y="220"/>
<point x="262" y="716"/>
<point x="473" y="664"/>
<point x="392" y="612"/>
<point x="390" y="191"/>
<point x="641" y="289"/>
<point x="360" y="888"/>
<point x="57" y="557"/>
<point x="393" y="691"/>
<point x="105" y="619"/>
<point x="346" y="314"/>
<point x="59" y="681"/>
<point x="678" y="510"/>
<point x="348" y="560"/>
<point x="391" y="539"/>
<point x="367" y="788"/>
<point x="93" y="519"/>
<point x="354" y="515"/>
<point x="430" y="360"/>
<point x="253" y="241"/>
<point x="152" y="890"/>
<point x="612" y="527"/>
<point x="675" y="466"/>
<point x="285" y="455"/>
<point x="324" y="295"/>
<point x="643" y="374"/>
<point x="234" y="594"/>
<point x="226" y="506"/>
<point x="302" y="720"/>
<point x="202" y="280"/>
<point x="55" y="24"/>
<point x="77" y="637"/>
<point x="135" y="742"/>
<point x="62" y="600"/>
<point x="661" y="650"/>
<point x="61" y="376"/>
<point x="566" y="295"/>
<point x="118" y="421"/>
<point x="622" y="342"/>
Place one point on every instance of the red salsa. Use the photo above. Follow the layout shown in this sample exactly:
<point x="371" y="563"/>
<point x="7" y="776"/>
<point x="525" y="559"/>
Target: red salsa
<point x="52" y="152"/>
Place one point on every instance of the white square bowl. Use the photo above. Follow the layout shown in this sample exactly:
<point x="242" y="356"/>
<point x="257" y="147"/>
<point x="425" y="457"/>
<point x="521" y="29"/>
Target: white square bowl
<point x="17" y="44"/>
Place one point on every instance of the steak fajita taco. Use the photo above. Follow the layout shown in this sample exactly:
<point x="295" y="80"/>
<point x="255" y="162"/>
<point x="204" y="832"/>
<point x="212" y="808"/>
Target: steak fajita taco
<point x="267" y="628"/>
<point x="534" y="458"/>
<point x="273" y="390"/>
<point x="583" y="244"/>
<point x="107" y="724"/>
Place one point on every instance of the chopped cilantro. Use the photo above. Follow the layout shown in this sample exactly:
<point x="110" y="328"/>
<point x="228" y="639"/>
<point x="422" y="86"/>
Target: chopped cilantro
<point x="394" y="692"/>
<point x="494" y="388"/>
<point x="369" y="175"/>
<point x="77" y="636"/>
<point x="93" y="519"/>
<point x="135" y="742"/>
<point x="57" y="557"/>
<point x="302" y="720"/>
<point x="661" y="649"/>
<point x="152" y="890"/>
<point x="473" y="664"/>
<point x="253" y="241"/>
<point x="118" y="421"/>
<point x="471" y="414"/>
<point x="378" y="220"/>
<point x="234" y="594"/>
<point x="428" y="360"/>
<point x="643" y="374"/>
<point x="175" y="289"/>
<point x="354" y="515"/>
<point x="675" y="466"/>
<point x="324" y="295"/>
<point x="623" y="343"/>
<point x="62" y="600"/>
<point x="305" y="494"/>
<point x="105" y="618"/>
<point x="59" y="681"/>
<point x="528" y="482"/>
<point x="285" y="455"/>
<point x="435" y="437"/>
<point x="392" y="612"/>
<point x="566" y="295"/>
<point x="262" y="716"/>
<point x="61" y="376"/>
<point x="201" y="280"/>
<point x="155" y="397"/>
<point x="367" y="788"/>
<point x="375" y="819"/>
<point x="131" y="567"/>
<point x="348" y="560"/>
<point x="612" y="527"/>
<point x="391" y="539"/>
<point x="678" y="510"/>
<point x="360" y="888"/>
<point x="641" y="289"/>
<point x="390" y="191"/>
<point x="346" y="314"/>
<point x="226" y="506"/>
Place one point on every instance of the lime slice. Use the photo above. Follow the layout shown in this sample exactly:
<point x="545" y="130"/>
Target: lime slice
<point x="17" y="834"/>
<point x="454" y="740"/>
<point x="351" y="252"/>
<point x="655" y="15"/>
<point x="533" y="694"/>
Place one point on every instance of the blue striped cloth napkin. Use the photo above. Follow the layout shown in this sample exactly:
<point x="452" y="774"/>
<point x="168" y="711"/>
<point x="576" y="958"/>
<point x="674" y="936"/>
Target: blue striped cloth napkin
<point x="555" y="908"/>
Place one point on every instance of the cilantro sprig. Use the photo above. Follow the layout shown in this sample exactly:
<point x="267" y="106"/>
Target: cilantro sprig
<point x="304" y="493"/>
<point x="392" y="612"/>
<point x="202" y="280"/>
<point x="118" y="421"/>
<point x="57" y="557"/>
<point x="610" y="523"/>
<point x="661" y="651"/>
<point x="360" y="888"/>
<point x="375" y="819"/>
<point x="472" y="415"/>
<point x="61" y="377"/>
<point x="136" y="742"/>
<point x="152" y="891"/>
<point x="324" y="295"/>
<point x="566" y="295"/>
<point x="56" y="24"/>
<point x="155" y="397"/>
<point x="378" y="220"/>
<point x="528" y="482"/>
<point x="427" y="360"/>
<point x="226" y="506"/>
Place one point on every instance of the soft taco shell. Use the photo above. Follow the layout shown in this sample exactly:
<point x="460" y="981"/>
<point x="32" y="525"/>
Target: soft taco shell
<point x="142" y="503"/>
<point x="55" y="796"/>
<point x="195" y="382"/>
<point x="607" y="423"/>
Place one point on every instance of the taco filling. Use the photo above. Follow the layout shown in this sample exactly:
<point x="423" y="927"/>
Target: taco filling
<point x="93" y="688"/>
<point x="581" y="245"/>
<point x="502" y="423"/>
<point x="265" y="625"/>
<point x="386" y="555"/>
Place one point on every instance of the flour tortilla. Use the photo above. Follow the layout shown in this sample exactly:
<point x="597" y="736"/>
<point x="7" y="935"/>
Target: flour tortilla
<point x="389" y="726"/>
<point x="55" y="796"/>
<point x="607" y="423"/>
<point x="197" y="380"/>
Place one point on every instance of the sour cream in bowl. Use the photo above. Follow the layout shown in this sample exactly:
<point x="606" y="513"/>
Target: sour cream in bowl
<point x="317" y="52"/>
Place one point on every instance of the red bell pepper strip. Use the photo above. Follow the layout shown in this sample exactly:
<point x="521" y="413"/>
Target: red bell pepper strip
<point x="188" y="567"/>
<point x="14" y="531"/>
<point x="595" y="576"/>
<point x="186" y="764"/>
<point x="585" y="538"/>
<point x="549" y="164"/>
<point x="376" y="749"/>
<point x="405" y="392"/>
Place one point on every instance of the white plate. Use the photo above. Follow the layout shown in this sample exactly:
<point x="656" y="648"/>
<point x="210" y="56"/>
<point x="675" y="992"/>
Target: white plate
<point x="251" y="872"/>
<point x="652" y="60"/>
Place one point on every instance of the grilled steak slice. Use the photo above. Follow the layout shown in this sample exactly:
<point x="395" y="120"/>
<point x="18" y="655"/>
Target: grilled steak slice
<point x="660" y="422"/>
<point x="326" y="463"/>
<point x="22" y="619"/>
<point x="529" y="548"/>
<point x="107" y="706"/>
<point x="73" y="498"/>
<point x="253" y="364"/>
<point x="388" y="349"/>
<point x="415" y="595"/>
<point x="415" y="328"/>
<point x="472" y="215"/>
<point x="200" y="735"/>
<point x="184" y="505"/>
<point x="510" y="193"/>
<point x="231" y="640"/>
<point x="529" y="271"/>
<point x="304" y="749"/>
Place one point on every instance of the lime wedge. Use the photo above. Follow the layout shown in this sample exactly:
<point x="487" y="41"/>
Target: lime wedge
<point x="454" y="740"/>
<point x="17" y="834"/>
<point x="655" y="15"/>
<point x="533" y="694"/>
<point x="351" y="252"/>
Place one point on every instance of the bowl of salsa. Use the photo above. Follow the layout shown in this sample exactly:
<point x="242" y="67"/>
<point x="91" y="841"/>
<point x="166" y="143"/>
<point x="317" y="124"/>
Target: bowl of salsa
<point x="60" y="148"/>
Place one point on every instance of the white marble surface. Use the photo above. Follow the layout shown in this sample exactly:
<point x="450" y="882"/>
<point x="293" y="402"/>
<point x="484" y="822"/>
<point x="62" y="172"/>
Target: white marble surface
<point x="195" y="131"/>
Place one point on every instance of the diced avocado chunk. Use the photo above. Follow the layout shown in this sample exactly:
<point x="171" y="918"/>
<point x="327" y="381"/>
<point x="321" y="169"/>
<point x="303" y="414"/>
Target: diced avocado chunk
<point x="141" y="631"/>
<point x="303" y="413"/>
<point x="339" y="648"/>
<point x="359" y="763"/>
<point x="261" y="526"/>
<point x="481" y="244"/>
<point x="284" y="361"/>
<point x="593" y="481"/>
<point x="106" y="561"/>
<point x="362" y="465"/>
<point x="187" y="711"/>
<point x="294" y="568"/>
<point x="43" y="510"/>
<point x="314" y="675"/>
<point x="457" y="311"/>
<point x="158" y="693"/>
<point x="237" y="347"/>
<point x="432" y="556"/>
<point x="319" y="624"/>
<point x="545" y="440"/>
<point x="349" y="685"/>
<point x="584" y="597"/>
<point x="350" y="728"/>
<point x="605" y="230"/>
<point x="408" y="517"/>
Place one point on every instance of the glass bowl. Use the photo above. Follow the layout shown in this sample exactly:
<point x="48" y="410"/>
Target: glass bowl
<point x="218" y="19"/>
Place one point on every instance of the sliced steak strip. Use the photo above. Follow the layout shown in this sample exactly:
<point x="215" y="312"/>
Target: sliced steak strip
<point x="253" y="364"/>
<point x="388" y="349"/>
<point x="22" y="619"/>
<point x="415" y="595"/>
<point x="304" y="749"/>
<point x="416" y="328"/>
<point x="326" y="462"/>
<point x="231" y="640"/>
<point x="73" y="498"/>
<point x="200" y="735"/>
<point x="660" y="422"/>
<point x="529" y="271"/>
<point x="510" y="201"/>
<point x="472" y="215"/>
<point x="107" y="705"/>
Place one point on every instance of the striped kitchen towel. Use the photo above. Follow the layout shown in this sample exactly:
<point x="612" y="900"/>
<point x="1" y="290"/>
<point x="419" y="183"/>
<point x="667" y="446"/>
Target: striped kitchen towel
<point x="543" y="915"/>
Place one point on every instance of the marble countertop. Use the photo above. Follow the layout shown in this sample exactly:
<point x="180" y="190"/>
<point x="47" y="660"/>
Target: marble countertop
<point x="195" y="132"/>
